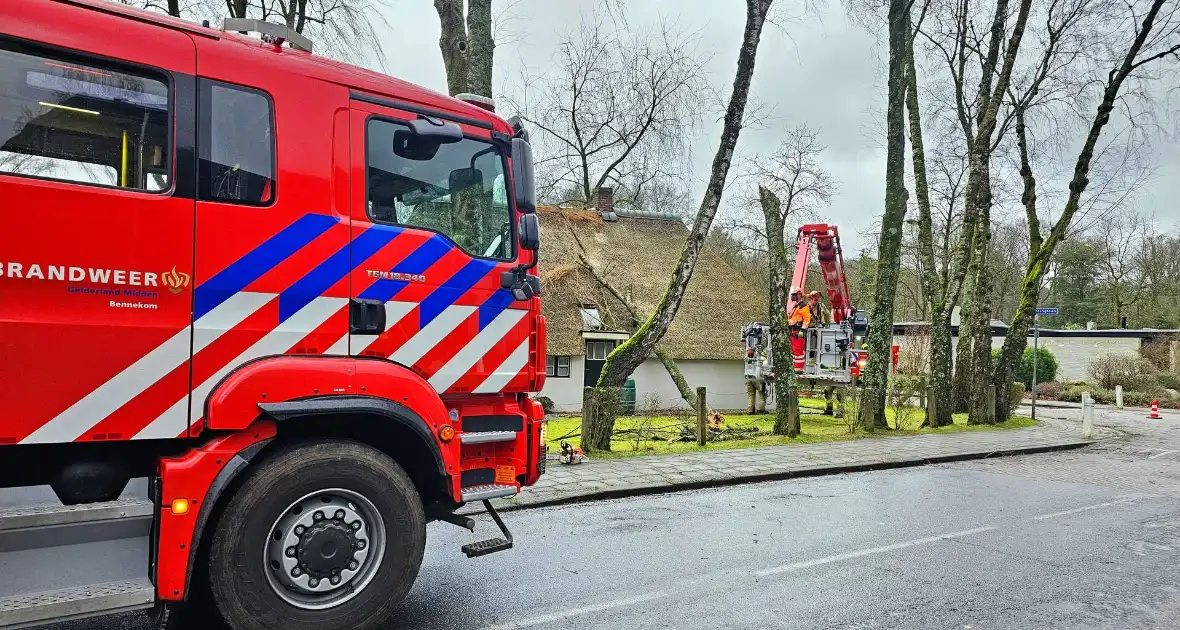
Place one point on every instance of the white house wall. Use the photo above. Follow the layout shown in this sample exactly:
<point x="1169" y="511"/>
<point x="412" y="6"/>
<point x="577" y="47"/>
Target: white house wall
<point x="724" y="383"/>
<point x="566" y="393"/>
<point x="1073" y="354"/>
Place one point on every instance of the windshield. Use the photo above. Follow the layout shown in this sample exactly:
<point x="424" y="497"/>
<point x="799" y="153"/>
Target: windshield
<point x="458" y="191"/>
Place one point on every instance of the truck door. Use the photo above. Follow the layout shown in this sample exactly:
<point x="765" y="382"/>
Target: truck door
<point x="432" y="232"/>
<point x="271" y="245"/>
<point x="96" y="224"/>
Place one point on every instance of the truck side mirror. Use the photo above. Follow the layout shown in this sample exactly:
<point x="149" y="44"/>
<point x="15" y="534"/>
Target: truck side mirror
<point x="524" y="188"/>
<point x="530" y="233"/>
<point x="423" y="138"/>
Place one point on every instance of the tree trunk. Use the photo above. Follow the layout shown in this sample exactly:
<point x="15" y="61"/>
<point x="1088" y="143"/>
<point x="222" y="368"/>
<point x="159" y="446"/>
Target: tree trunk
<point x="1014" y="343"/>
<point x="932" y="285"/>
<point x="453" y="44"/>
<point x="480" y="47"/>
<point x="940" y="369"/>
<point x="629" y="355"/>
<point x="174" y="8"/>
<point x="1017" y="338"/>
<point x="964" y="362"/>
<point x="978" y="309"/>
<point x="880" y="337"/>
<point x="678" y="379"/>
<point x="786" y="411"/>
<point x="600" y="407"/>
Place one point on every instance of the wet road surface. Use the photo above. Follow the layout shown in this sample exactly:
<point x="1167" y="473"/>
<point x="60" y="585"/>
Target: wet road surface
<point x="936" y="547"/>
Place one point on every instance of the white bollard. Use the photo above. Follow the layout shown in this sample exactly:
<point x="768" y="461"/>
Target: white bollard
<point x="1087" y="415"/>
<point x="1118" y="396"/>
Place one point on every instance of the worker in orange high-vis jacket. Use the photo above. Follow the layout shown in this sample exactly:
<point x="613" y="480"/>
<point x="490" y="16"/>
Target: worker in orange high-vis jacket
<point x="820" y="314"/>
<point x="798" y="318"/>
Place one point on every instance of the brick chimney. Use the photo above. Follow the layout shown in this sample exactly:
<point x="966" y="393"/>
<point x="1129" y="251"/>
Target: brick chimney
<point x="603" y="200"/>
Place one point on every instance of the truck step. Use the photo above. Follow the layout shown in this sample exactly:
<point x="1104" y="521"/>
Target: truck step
<point x="491" y="491"/>
<point x="484" y="437"/>
<point x="484" y="547"/>
<point x="38" y="516"/>
<point x="22" y="611"/>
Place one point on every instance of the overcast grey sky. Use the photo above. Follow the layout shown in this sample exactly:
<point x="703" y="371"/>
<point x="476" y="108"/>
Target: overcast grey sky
<point x="821" y="70"/>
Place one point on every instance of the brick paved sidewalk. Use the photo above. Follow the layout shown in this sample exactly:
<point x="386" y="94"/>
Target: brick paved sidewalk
<point x="616" y="477"/>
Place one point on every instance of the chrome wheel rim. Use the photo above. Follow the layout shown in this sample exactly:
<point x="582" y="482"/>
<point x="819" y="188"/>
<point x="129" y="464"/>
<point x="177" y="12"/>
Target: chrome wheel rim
<point x="324" y="549"/>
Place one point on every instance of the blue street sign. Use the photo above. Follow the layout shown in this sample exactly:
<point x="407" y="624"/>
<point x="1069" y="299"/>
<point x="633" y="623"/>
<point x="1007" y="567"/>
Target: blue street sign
<point x="1047" y="310"/>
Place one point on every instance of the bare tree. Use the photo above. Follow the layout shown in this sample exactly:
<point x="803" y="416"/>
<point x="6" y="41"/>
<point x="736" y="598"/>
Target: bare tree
<point x="1124" y="237"/>
<point x="981" y="49"/>
<point x="794" y="176"/>
<point x="171" y="7"/>
<point x="1136" y="37"/>
<point x="339" y="28"/>
<point x="618" y="111"/>
<point x="791" y="183"/>
<point x="628" y="356"/>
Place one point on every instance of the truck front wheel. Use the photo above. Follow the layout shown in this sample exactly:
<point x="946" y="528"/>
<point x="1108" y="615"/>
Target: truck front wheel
<point x="327" y="535"/>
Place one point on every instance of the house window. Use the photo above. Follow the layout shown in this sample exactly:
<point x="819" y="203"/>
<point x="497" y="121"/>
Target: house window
<point x="597" y="350"/>
<point x="557" y="367"/>
<point x="591" y="320"/>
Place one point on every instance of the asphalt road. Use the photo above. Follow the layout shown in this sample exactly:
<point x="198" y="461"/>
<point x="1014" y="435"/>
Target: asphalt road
<point x="927" y="548"/>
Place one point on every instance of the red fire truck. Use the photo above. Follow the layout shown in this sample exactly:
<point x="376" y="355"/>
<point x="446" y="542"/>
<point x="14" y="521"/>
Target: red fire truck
<point x="263" y="316"/>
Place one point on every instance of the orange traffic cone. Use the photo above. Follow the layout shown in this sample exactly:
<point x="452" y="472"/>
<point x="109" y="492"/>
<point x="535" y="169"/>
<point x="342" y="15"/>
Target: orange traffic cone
<point x="1155" y="411"/>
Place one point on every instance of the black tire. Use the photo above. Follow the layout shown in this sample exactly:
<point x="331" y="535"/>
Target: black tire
<point x="237" y="571"/>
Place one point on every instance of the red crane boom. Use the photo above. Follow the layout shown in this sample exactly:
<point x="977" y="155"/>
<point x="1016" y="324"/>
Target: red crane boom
<point x="825" y="240"/>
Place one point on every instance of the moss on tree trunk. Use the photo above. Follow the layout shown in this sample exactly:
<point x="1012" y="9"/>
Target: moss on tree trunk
<point x="786" y="413"/>
<point x="880" y="337"/>
<point x="600" y="407"/>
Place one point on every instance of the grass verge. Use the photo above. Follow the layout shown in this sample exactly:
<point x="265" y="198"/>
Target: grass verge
<point x="815" y="428"/>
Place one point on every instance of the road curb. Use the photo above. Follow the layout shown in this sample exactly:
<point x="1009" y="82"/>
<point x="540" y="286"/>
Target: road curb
<point x="620" y="493"/>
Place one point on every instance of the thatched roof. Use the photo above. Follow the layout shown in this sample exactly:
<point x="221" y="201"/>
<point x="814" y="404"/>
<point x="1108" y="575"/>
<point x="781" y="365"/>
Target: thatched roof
<point x="637" y="257"/>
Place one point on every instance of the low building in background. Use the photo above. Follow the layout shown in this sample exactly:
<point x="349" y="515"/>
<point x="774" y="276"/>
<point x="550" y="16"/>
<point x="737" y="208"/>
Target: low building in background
<point x="635" y="253"/>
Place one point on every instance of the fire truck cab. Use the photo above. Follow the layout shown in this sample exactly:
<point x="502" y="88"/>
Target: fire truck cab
<point x="263" y="316"/>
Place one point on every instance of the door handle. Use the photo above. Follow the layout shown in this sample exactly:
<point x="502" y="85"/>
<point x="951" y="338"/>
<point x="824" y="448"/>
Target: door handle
<point x="366" y="317"/>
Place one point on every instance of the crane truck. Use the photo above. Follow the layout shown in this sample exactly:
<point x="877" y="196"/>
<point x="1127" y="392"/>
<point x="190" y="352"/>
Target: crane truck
<point x="263" y="316"/>
<point x="833" y="355"/>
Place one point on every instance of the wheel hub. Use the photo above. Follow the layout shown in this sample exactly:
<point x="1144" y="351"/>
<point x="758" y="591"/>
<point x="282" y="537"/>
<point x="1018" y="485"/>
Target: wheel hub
<point x="324" y="549"/>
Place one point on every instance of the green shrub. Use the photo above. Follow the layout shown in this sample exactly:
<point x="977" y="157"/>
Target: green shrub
<point x="1046" y="366"/>
<point x="1158" y="351"/>
<point x="1133" y="373"/>
<point x="1137" y="399"/>
<point x="546" y="404"/>
<point x="1073" y="393"/>
<point x="1102" y="396"/>
<point x="1017" y="396"/>
<point x="1168" y="380"/>
<point x="1049" y="391"/>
